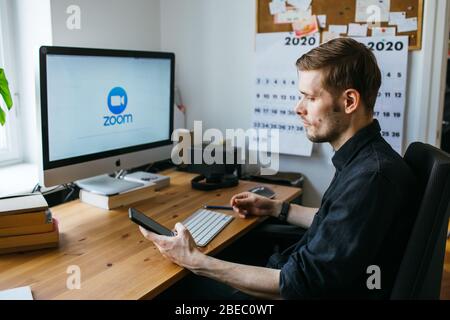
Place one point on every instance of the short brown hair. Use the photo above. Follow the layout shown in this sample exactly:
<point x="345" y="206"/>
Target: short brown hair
<point x="347" y="64"/>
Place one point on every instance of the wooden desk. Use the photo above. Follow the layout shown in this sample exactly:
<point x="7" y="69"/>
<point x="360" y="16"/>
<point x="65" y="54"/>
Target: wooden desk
<point x="115" y="260"/>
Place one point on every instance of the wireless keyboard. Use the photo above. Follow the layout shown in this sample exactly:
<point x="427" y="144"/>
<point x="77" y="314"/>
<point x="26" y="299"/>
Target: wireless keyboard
<point x="205" y="224"/>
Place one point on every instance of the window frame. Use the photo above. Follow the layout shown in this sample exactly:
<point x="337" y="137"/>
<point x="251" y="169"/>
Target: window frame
<point x="12" y="154"/>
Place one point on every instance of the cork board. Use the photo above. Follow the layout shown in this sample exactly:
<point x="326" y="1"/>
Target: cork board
<point x="343" y="12"/>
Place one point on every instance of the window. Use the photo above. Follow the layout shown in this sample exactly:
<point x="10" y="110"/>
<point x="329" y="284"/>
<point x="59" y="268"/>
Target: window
<point x="10" y="151"/>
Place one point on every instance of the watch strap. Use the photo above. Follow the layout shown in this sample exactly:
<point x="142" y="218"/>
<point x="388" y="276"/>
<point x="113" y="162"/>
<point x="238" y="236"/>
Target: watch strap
<point x="284" y="211"/>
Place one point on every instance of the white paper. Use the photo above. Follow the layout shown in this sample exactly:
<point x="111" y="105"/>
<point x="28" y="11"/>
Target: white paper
<point x="291" y="15"/>
<point x="357" y="30"/>
<point x="300" y="4"/>
<point x="371" y="11"/>
<point x="337" y="29"/>
<point x="276" y="89"/>
<point x="322" y="18"/>
<point x="396" y="17"/>
<point x="392" y="57"/>
<point x="22" y="293"/>
<point x="388" y="31"/>
<point x="277" y="7"/>
<point x="327" y="36"/>
<point x="407" y="25"/>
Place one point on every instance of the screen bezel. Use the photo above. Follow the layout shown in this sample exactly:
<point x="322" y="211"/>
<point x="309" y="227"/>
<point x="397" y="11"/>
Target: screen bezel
<point x="71" y="51"/>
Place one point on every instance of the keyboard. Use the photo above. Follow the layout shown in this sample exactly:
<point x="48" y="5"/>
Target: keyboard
<point x="205" y="224"/>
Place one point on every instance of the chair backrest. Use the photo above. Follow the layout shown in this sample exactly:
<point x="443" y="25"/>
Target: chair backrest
<point x="420" y="272"/>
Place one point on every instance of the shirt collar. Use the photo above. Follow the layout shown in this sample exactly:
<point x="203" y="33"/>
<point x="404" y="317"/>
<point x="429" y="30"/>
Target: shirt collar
<point x="350" y="148"/>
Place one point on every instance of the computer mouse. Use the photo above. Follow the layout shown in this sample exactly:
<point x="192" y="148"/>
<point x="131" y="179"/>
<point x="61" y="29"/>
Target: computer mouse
<point x="263" y="191"/>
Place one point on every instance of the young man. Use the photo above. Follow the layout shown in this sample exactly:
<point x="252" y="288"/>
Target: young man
<point x="366" y="214"/>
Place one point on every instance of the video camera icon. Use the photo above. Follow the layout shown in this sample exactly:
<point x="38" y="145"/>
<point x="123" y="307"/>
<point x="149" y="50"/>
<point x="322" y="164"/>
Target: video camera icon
<point x="117" y="100"/>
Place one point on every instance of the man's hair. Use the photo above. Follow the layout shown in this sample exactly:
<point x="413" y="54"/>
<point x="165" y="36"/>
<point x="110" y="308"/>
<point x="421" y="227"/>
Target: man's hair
<point x="346" y="64"/>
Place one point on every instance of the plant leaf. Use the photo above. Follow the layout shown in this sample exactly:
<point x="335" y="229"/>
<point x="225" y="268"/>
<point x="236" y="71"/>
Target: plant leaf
<point x="2" y="117"/>
<point x="4" y="90"/>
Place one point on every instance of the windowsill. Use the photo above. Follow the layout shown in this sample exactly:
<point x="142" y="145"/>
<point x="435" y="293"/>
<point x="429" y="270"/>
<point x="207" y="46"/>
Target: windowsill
<point x="18" y="178"/>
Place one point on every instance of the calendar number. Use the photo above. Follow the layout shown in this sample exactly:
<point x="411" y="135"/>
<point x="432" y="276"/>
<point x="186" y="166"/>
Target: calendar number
<point x="303" y="41"/>
<point x="386" y="46"/>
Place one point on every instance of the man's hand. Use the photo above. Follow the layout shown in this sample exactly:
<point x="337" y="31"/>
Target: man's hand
<point x="180" y="249"/>
<point x="248" y="203"/>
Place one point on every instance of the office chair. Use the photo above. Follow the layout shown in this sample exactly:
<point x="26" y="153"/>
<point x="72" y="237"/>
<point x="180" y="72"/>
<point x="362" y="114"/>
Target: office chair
<point x="420" y="272"/>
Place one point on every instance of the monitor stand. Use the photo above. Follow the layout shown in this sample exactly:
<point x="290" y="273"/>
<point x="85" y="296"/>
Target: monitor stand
<point x="148" y="178"/>
<point x="108" y="186"/>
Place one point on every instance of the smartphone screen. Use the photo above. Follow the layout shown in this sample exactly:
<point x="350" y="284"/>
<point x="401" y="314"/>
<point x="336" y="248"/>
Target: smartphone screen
<point x="263" y="191"/>
<point x="148" y="223"/>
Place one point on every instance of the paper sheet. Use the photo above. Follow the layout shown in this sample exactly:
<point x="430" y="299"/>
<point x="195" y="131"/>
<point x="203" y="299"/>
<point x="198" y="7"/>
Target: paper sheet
<point x="327" y="36"/>
<point x="396" y="17"/>
<point x="378" y="32"/>
<point x="392" y="57"/>
<point x="372" y="10"/>
<point x="276" y="89"/>
<point x="300" y="4"/>
<point x="305" y="27"/>
<point x="277" y="6"/>
<point x="322" y="18"/>
<point x="357" y="30"/>
<point x="337" y="29"/>
<point x="407" y="25"/>
<point x="291" y="15"/>
<point x="22" y="293"/>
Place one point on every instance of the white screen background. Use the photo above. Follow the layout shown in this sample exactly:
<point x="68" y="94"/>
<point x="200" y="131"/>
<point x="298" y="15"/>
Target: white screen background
<point x="77" y="96"/>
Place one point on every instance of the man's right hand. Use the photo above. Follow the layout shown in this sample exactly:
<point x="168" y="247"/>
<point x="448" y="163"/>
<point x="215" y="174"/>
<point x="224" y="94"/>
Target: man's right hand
<point x="248" y="203"/>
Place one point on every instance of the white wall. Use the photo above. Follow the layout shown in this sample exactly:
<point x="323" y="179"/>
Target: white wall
<point x="112" y="24"/>
<point x="214" y="44"/>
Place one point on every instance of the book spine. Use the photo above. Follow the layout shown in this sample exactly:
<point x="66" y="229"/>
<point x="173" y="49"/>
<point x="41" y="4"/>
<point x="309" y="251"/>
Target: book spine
<point x="31" y="239"/>
<point x="24" y="230"/>
<point x="94" y="199"/>
<point x="29" y="248"/>
<point x="116" y="201"/>
<point x="17" y="220"/>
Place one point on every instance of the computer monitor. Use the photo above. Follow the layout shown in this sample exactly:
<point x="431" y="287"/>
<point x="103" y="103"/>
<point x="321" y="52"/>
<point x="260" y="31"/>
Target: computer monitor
<point x="103" y="111"/>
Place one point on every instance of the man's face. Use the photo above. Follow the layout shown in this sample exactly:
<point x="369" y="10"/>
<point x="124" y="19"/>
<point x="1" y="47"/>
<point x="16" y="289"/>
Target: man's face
<point x="322" y="114"/>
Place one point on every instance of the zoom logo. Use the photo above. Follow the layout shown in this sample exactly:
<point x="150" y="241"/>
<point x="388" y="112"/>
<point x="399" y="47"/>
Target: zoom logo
<point x="117" y="103"/>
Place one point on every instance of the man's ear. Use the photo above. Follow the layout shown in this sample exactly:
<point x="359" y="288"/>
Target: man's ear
<point x="352" y="100"/>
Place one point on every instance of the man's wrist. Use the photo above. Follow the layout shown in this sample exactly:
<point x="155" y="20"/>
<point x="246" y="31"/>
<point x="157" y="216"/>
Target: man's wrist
<point x="198" y="262"/>
<point x="277" y="208"/>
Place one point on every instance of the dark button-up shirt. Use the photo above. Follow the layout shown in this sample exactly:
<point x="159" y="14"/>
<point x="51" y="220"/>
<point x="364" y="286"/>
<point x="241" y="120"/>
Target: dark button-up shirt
<point x="364" y="220"/>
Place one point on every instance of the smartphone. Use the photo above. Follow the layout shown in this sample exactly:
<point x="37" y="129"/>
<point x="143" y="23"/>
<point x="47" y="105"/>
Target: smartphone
<point x="263" y="191"/>
<point x="148" y="223"/>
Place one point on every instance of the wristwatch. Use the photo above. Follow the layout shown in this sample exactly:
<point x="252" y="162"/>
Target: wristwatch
<point x="284" y="211"/>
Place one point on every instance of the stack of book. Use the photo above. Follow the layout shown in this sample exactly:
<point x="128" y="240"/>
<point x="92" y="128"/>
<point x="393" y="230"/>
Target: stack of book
<point x="26" y="223"/>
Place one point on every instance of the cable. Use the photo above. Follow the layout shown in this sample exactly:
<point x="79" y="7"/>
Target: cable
<point x="37" y="187"/>
<point x="120" y="174"/>
<point x="55" y="189"/>
<point x="150" y="166"/>
<point x="67" y="197"/>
